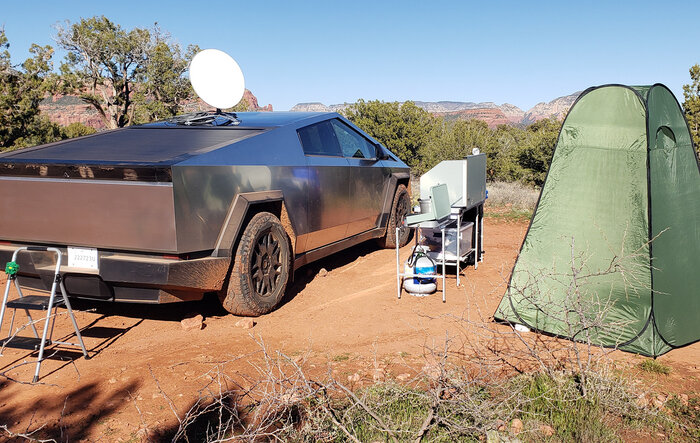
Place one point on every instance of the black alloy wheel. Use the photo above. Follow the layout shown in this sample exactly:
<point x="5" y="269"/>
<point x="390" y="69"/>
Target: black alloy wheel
<point x="266" y="267"/>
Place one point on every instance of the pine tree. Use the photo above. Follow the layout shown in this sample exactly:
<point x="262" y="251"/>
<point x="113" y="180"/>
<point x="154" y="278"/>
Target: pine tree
<point x="128" y="76"/>
<point x="691" y="105"/>
<point x="21" y="89"/>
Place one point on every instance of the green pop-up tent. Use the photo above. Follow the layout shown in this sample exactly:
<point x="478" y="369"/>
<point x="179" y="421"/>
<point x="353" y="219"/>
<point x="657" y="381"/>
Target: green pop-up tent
<point x="612" y="254"/>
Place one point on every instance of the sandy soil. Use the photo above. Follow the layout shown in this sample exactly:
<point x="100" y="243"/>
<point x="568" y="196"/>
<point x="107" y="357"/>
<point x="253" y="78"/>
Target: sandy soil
<point x="345" y="319"/>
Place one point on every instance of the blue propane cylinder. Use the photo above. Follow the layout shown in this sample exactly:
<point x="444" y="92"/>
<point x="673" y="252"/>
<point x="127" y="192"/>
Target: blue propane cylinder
<point x="420" y="264"/>
<point x="424" y="266"/>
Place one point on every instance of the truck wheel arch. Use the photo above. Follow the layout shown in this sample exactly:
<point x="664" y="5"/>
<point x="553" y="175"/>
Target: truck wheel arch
<point x="395" y="180"/>
<point x="242" y="209"/>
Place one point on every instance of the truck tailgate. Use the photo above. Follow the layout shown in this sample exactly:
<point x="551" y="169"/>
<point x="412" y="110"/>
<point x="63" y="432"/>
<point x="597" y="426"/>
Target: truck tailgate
<point x="95" y="213"/>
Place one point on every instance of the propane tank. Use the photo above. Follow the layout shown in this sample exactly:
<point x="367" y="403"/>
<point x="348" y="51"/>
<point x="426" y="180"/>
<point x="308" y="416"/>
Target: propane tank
<point x="420" y="264"/>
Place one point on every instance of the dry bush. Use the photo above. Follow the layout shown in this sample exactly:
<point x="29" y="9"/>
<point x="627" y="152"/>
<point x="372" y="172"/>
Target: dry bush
<point x="488" y="380"/>
<point x="515" y="195"/>
<point x="473" y="384"/>
<point x="450" y="399"/>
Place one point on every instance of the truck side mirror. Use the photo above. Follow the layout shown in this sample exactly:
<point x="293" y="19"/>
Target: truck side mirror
<point x="379" y="152"/>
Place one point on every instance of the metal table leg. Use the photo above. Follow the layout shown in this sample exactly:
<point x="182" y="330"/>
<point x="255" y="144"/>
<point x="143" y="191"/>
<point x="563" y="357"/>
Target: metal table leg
<point x="481" y="231"/>
<point x="444" y="286"/>
<point x="478" y="244"/>
<point x="459" y="256"/>
<point x="398" y="266"/>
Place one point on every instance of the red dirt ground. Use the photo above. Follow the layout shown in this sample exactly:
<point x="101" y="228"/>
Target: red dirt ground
<point x="347" y="320"/>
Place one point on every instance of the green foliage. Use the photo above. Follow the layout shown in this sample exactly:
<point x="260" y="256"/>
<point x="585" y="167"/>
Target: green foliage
<point x="452" y="140"/>
<point x="162" y="85"/>
<point x="76" y="129"/>
<point x="691" y="105"/>
<point x="466" y="411"/>
<point x="402" y="127"/>
<point x="21" y="90"/>
<point x="502" y="153"/>
<point x="41" y="130"/>
<point x="536" y="152"/>
<point x="686" y="413"/>
<point x="4" y="52"/>
<point x="403" y="407"/>
<point x="654" y="366"/>
<point x="422" y="140"/>
<point x="513" y="153"/>
<point x="558" y="403"/>
<point x="127" y="76"/>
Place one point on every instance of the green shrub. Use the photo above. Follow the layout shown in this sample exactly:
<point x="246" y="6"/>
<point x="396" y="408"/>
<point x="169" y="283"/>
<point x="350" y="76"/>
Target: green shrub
<point x="76" y="129"/>
<point x="559" y="403"/>
<point x="654" y="366"/>
<point x="686" y="414"/>
<point x="422" y="140"/>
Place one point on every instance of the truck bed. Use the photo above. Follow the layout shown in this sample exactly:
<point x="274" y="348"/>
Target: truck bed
<point x="111" y="190"/>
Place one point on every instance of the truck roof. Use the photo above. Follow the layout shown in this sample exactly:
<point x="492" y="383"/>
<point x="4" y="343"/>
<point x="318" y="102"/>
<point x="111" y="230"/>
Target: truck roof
<point x="155" y="144"/>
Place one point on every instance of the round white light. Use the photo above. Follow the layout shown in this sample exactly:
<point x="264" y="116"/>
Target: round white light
<point x="216" y="78"/>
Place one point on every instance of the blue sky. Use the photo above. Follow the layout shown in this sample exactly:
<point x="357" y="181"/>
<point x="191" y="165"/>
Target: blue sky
<point x="334" y="52"/>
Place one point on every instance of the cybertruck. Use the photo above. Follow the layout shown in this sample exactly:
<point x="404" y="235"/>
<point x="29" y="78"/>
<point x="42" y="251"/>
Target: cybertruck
<point x="222" y="203"/>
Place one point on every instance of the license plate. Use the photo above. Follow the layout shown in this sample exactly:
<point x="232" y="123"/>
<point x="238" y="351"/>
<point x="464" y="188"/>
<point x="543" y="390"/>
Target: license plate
<point x="85" y="258"/>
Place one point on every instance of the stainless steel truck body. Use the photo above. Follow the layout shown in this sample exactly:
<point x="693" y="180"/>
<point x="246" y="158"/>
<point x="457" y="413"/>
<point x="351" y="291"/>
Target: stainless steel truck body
<point x="165" y="208"/>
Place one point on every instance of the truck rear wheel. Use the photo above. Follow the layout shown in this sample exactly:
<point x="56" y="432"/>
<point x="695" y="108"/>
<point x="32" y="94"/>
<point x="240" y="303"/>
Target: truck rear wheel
<point x="400" y="208"/>
<point x="260" y="268"/>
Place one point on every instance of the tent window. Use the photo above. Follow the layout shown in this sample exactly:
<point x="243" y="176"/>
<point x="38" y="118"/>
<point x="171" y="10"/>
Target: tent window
<point x="665" y="139"/>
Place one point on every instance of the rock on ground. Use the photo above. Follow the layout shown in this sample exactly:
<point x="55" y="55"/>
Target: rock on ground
<point x="245" y="323"/>
<point x="516" y="426"/>
<point x="192" y="323"/>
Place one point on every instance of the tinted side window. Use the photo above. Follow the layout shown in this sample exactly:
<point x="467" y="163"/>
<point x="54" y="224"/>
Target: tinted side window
<point x="352" y="144"/>
<point x="319" y="139"/>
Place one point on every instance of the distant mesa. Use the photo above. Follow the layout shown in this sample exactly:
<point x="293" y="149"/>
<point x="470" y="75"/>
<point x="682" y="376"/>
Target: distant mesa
<point x="492" y="116"/>
<point x="67" y="109"/>
<point x="248" y="98"/>
<point x="311" y="107"/>
<point x="489" y="112"/>
<point x="558" y="108"/>
<point x="318" y="107"/>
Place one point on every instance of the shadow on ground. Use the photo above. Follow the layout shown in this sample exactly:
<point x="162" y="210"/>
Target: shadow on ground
<point x="61" y="417"/>
<point x="210" y="306"/>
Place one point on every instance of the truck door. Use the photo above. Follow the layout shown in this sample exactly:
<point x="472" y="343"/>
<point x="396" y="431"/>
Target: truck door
<point x="329" y="208"/>
<point x="368" y="178"/>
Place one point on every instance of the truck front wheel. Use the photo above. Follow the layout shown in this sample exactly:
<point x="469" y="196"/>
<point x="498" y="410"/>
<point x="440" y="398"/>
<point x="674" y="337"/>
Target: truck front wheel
<point x="260" y="268"/>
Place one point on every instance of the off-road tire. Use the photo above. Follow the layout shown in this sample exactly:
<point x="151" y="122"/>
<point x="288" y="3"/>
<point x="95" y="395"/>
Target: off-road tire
<point x="260" y="268"/>
<point x="400" y="207"/>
